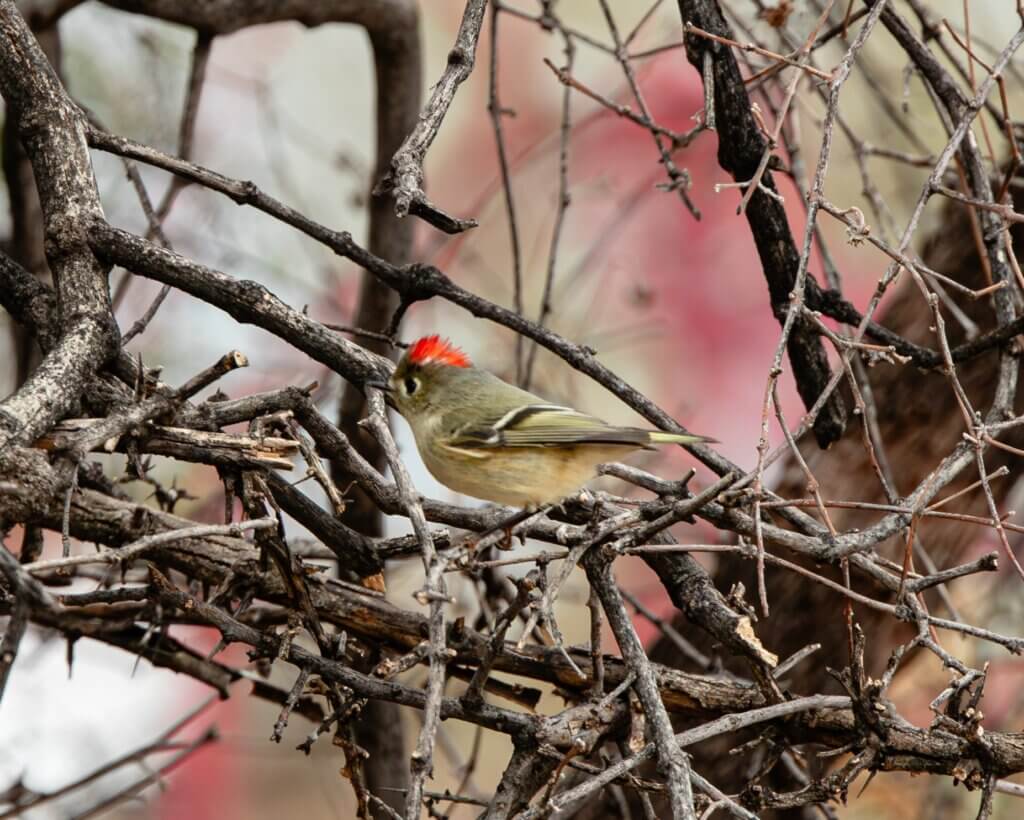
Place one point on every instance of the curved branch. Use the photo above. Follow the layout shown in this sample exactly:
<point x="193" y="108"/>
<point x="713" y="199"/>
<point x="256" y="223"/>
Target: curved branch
<point x="404" y="179"/>
<point x="227" y="16"/>
<point x="246" y="301"/>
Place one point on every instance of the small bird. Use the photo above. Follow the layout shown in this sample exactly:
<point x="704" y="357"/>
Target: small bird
<point x="486" y="438"/>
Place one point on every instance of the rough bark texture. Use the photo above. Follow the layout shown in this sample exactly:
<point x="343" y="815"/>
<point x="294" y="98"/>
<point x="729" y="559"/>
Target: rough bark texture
<point x="53" y="137"/>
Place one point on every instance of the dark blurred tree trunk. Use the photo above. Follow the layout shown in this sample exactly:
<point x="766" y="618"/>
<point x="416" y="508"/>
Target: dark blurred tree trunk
<point x="397" y="64"/>
<point x="398" y="71"/>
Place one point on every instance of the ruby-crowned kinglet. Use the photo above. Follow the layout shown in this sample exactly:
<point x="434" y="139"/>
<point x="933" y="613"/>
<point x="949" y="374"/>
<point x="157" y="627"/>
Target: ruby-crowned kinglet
<point x="486" y="438"/>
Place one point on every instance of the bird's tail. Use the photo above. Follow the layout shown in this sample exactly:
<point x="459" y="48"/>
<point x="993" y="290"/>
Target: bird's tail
<point x="658" y="437"/>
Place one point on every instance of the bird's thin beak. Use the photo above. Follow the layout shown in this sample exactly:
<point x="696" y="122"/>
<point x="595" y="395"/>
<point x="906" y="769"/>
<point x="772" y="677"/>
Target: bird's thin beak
<point x="380" y="384"/>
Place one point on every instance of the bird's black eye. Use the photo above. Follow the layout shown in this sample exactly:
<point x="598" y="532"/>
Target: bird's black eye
<point x="411" y="385"/>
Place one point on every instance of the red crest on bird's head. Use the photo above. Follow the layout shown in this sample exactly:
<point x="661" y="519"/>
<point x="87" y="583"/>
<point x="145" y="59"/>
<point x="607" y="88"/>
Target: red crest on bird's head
<point x="435" y="350"/>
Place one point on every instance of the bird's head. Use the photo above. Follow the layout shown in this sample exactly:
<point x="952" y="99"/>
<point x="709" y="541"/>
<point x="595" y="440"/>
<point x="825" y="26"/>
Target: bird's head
<point x="426" y="374"/>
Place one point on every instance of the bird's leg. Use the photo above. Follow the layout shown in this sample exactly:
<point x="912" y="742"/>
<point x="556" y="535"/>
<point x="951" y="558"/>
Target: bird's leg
<point x="588" y="503"/>
<point x="596" y="505"/>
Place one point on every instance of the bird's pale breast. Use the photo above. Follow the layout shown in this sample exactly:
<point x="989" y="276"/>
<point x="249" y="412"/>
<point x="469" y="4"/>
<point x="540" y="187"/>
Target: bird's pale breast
<point x="519" y="476"/>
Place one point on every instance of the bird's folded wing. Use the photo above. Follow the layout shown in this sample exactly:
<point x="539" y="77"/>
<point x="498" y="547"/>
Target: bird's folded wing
<point x="544" y="425"/>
